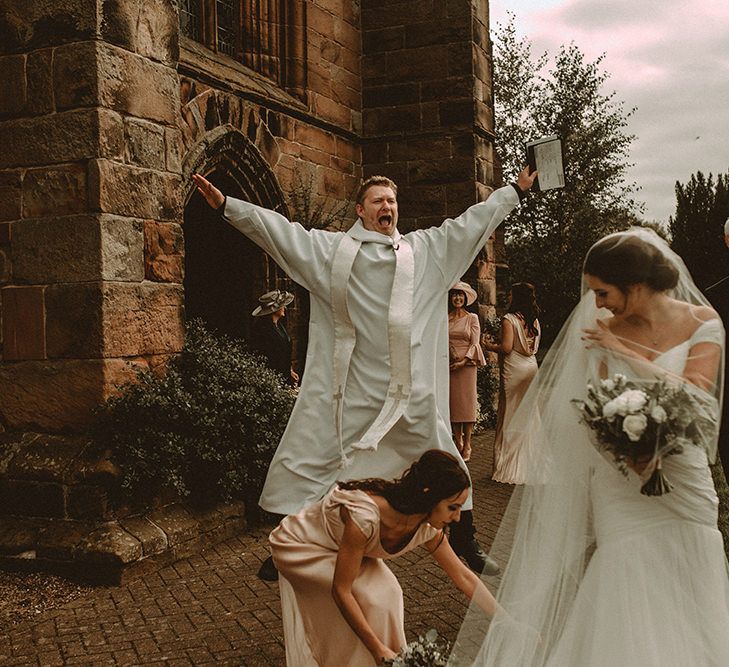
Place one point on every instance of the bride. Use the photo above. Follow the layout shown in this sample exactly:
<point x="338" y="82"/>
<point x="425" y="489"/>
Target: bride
<point x="598" y="573"/>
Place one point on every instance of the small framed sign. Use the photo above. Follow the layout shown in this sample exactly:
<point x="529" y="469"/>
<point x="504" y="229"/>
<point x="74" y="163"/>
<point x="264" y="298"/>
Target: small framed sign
<point x="546" y="156"/>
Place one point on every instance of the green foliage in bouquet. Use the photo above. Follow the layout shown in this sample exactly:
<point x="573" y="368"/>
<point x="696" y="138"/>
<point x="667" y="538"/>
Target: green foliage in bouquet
<point x="492" y="327"/>
<point x="487" y="389"/>
<point x="206" y="429"/>
<point x="636" y="422"/>
<point x="425" y="651"/>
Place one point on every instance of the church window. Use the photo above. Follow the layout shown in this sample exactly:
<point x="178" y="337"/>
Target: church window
<point x="191" y="19"/>
<point x="264" y="35"/>
<point x="226" y="12"/>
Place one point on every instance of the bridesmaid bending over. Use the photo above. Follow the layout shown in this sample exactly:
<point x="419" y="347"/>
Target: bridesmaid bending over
<point x="341" y="604"/>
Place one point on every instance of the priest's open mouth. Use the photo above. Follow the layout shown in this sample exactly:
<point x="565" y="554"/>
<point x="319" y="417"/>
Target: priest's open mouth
<point x="385" y="219"/>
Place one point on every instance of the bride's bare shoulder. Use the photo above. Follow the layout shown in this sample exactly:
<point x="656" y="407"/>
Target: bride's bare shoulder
<point x="700" y="313"/>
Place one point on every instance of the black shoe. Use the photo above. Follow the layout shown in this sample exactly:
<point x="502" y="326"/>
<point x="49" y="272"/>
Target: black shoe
<point x="477" y="560"/>
<point x="268" y="571"/>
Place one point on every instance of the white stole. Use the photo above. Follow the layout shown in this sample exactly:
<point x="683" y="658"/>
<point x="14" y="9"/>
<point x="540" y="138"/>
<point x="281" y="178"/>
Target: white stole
<point x="399" y="330"/>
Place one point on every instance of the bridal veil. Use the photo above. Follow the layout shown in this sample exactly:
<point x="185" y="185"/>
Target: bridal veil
<point x="546" y="537"/>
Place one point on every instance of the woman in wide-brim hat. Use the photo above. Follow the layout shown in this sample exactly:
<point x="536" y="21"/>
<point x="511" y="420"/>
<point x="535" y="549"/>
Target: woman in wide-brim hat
<point x="272" y="302"/>
<point x="270" y="337"/>
<point x="464" y="335"/>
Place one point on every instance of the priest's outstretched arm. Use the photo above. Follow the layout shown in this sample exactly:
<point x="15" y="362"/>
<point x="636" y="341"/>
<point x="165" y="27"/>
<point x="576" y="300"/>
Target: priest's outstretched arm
<point x="301" y="253"/>
<point x="455" y="243"/>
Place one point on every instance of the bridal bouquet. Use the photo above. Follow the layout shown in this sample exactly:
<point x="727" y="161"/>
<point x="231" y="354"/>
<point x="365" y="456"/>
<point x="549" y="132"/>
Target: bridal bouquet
<point x="425" y="651"/>
<point x="643" y="422"/>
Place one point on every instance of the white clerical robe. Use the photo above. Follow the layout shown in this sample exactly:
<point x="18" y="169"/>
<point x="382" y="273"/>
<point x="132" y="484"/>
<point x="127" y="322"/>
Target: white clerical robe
<point x="308" y="460"/>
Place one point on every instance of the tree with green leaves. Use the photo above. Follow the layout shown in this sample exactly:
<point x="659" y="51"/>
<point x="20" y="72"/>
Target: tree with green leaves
<point x="548" y="236"/>
<point x="697" y="227"/>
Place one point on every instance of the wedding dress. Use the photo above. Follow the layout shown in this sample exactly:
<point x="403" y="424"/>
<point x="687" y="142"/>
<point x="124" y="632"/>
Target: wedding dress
<point x="655" y="592"/>
<point x="598" y="574"/>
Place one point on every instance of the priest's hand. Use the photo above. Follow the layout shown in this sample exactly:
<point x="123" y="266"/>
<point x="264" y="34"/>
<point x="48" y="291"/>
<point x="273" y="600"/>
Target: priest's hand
<point x="525" y="180"/>
<point x="212" y="195"/>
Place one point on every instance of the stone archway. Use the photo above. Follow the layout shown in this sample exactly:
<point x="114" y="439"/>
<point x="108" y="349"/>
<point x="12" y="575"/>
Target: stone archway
<point x="224" y="271"/>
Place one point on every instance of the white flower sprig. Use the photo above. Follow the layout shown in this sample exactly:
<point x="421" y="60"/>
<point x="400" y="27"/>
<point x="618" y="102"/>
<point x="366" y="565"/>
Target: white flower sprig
<point x="426" y="651"/>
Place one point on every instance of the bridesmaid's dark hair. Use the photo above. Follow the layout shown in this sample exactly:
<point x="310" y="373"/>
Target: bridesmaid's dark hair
<point x="524" y="302"/>
<point x="625" y="259"/>
<point x="435" y="476"/>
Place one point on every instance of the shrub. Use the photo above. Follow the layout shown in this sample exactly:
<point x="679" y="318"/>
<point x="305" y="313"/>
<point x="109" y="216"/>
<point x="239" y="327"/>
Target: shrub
<point x="722" y="490"/>
<point x="207" y="429"/>
<point x="487" y="388"/>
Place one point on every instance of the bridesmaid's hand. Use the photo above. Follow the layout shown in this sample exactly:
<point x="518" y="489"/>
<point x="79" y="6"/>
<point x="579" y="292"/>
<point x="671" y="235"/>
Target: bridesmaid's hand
<point x="489" y="345"/>
<point x="385" y="654"/>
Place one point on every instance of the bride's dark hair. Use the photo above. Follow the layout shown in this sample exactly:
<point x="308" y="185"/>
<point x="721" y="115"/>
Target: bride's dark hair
<point x="435" y="476"/>
<point x="625" y="259"/>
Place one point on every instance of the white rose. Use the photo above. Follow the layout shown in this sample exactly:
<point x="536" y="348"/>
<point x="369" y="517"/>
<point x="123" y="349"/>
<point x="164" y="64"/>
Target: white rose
<point x="607" y="385"/>
<point x="658" y="414"/>
<point x="634" y="426"/>
<point x="621" y="405"/>
<point x="610" y="409"/>
<point x="635" y="399"/>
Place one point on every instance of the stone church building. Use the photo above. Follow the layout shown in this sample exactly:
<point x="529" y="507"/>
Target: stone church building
<point x="106" y="109"/>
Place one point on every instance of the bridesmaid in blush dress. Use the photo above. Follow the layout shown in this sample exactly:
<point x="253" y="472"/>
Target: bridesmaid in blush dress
<point x="464" y="334"/>
<point x="341" y="605"/>
<point x="520" y="334"/>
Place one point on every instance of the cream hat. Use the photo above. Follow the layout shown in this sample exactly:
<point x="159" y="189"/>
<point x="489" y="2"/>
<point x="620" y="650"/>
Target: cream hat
<point x="470" y="293"/>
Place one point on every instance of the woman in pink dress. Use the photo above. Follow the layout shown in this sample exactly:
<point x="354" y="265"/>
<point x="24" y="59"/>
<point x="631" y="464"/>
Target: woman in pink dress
<point x="341" y="605"/>
<point x="464" y="334"/>
<point x="520" y="334"/>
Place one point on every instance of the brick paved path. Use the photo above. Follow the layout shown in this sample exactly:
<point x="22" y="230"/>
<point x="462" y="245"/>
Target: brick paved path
<point x="212" y="609"/>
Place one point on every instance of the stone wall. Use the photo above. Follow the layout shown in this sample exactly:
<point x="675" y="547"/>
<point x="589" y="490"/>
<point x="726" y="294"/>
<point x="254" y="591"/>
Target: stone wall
<point x="105" y="112"/>
<point x="90" y="175"/>
<point x="55" y="515"/>
<point x="303" y="141"/>
<point x="427" y="110"/>
<point x="314" y="134"/>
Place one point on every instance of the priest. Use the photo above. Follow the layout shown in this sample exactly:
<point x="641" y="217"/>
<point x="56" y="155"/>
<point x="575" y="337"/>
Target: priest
<point x="375" y="391"/>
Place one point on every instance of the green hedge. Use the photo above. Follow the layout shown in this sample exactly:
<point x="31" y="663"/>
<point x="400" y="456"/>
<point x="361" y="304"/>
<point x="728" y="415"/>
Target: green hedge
<point x="487" y="388"/>
<point x="205" y="430"/>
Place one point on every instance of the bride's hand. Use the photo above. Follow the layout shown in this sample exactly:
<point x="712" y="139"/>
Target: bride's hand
<point x="603" y="337"/>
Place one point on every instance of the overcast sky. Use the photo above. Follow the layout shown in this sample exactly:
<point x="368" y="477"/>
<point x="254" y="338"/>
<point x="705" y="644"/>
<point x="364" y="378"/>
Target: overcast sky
<point x="669" y="58"/>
